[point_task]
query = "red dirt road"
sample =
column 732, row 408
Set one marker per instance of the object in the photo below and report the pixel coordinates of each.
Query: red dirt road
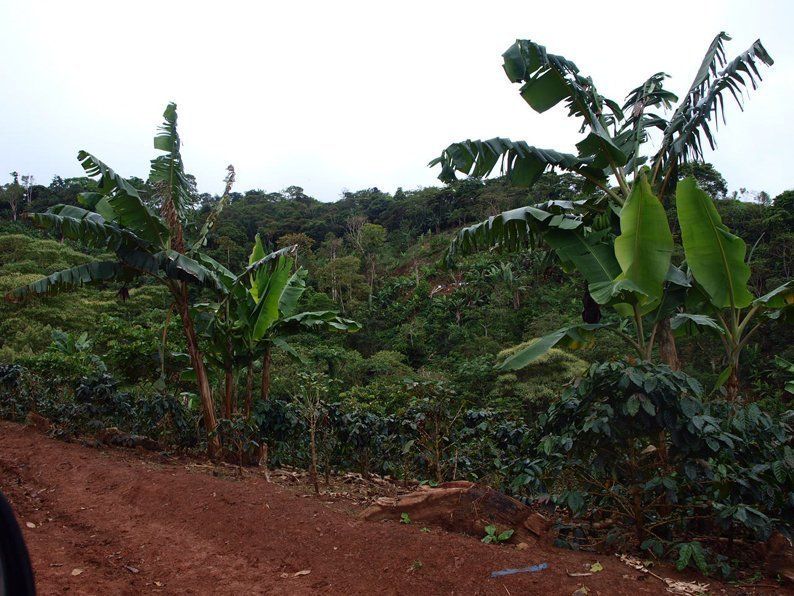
column 134, row 525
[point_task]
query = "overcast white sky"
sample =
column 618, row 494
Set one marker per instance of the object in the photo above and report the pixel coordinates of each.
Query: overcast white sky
column 348, row 95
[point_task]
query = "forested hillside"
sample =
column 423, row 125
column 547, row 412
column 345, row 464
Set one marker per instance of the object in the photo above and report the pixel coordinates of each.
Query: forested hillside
column 378, row 259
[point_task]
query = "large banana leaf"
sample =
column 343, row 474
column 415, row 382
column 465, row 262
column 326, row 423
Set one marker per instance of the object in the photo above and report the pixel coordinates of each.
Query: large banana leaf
column 543, row 74
column 523, row 164
column 258, row 250
column 677, row 287
column 178, row 266
column 780, row 301
column 781, row 297
column 226, row 277
column 74, row 223
column 270, row 285
column 109, row 181
column 549, row 79
column 296, row 286
column 167, row 172
column 143, row 261
column 71, row 279
column 254, row 283
column 261, row 266
column 259, row 290
column 519, row 228
column 282, row 345
column 592, row 254
column 688, row 323
column 714, row 255
column 618, row 293
column 170, row 264
column 645, row 244
column 575, row 336
column 316, row 319
column 268, row 260
column 122, row 203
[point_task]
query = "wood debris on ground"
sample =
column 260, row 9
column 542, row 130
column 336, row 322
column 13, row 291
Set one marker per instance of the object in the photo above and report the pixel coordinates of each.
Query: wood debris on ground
column 673, row 586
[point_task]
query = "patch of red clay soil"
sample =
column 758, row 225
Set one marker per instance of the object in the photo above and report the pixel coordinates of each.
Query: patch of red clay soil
column 135, row 525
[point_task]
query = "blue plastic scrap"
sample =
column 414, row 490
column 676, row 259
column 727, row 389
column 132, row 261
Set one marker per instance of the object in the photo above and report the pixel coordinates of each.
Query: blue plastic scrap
column 531, row 569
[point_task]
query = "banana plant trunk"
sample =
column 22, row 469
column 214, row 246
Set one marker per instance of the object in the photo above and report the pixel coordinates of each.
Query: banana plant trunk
column 732, row 384
column 668, row 354
column 313, row 448
column 228, row 398
column 249, row 388
column 667, row 349
column 265, row 393
column 202, row 379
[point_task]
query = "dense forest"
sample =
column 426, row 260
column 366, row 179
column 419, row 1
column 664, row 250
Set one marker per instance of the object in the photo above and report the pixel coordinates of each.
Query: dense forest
column 393, row 334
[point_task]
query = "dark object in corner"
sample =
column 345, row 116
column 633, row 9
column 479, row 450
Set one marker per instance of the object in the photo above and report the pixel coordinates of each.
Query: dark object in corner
column 16, row 575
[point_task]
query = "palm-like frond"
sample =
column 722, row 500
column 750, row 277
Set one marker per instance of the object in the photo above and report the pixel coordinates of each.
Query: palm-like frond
column 109, row 181
column 91, row 229
column 524, row 227
column 705, row 101
column 328, row 319
column 523, row 164
column 71, row 279
column 167, row 172
column 121, row 203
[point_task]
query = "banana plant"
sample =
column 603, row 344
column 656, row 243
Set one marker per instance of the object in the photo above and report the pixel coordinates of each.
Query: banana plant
column 144, row 243
column 720, row 300
column 645, row 288
column 631, row 274
column 292, row 321
column 258, row 313
column 612, row 147
column 611, row 159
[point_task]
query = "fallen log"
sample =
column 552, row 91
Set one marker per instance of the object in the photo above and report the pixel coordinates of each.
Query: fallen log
column 463, row 507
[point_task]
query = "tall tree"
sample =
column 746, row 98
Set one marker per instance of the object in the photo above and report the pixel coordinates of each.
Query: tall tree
column 14, row 194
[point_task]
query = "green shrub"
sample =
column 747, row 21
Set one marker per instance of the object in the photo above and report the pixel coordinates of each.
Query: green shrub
column 640, row 447
column 530, row 390
column 89, row 403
